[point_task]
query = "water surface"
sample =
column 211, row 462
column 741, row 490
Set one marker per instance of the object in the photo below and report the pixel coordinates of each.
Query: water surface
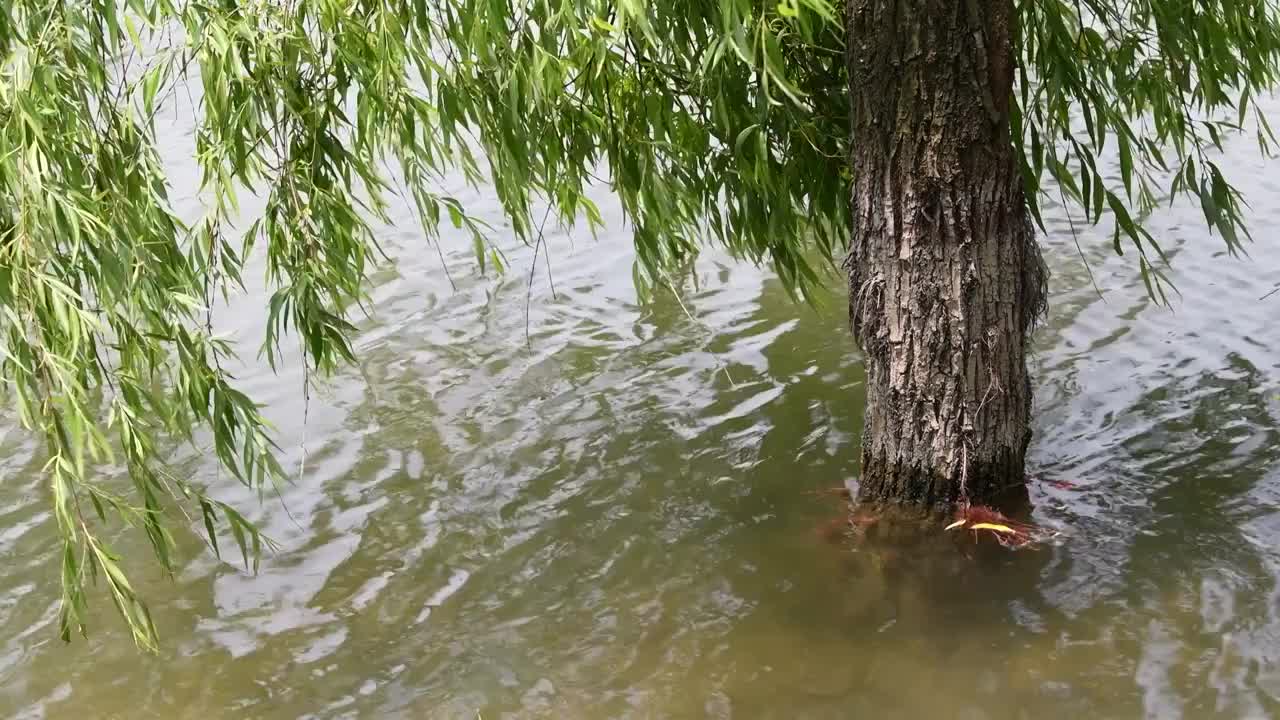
column 606, row 510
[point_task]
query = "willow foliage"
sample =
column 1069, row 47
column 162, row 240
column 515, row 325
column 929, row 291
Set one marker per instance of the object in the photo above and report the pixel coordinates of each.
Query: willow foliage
column 720, row 121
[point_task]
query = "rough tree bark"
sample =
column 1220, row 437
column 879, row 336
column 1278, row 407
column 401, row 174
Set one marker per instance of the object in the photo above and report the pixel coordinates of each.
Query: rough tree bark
column 945, row 277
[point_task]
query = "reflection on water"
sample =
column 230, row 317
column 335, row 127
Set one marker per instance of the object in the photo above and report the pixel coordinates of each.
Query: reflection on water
column 612, row 516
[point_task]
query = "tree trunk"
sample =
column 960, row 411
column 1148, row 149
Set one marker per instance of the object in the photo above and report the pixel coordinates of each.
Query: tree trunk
column 945, row 278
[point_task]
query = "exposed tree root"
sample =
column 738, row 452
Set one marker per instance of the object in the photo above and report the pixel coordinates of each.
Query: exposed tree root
column 906, row 526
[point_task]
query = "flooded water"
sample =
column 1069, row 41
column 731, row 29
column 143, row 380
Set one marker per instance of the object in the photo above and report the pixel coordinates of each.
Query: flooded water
column 612, row 516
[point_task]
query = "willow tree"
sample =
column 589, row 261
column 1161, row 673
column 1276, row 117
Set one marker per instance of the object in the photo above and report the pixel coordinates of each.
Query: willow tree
column 917, row 136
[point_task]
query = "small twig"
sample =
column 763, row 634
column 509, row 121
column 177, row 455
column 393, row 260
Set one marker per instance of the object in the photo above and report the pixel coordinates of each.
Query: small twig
column 403, row 192
column 306, row 414
column 1076, row 239
column 546, row 260
column 285, row 506
column 724, row 368
column 533, row 266
column 445, row 265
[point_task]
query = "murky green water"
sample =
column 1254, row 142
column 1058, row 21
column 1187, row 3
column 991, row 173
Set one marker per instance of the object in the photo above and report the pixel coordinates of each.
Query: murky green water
column 613, row 516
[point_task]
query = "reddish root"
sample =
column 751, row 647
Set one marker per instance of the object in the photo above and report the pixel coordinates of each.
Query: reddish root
column 979, row 519
column 834, row 530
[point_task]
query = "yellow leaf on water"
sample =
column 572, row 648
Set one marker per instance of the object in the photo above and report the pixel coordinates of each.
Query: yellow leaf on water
column 993, row 526
column 956, row 524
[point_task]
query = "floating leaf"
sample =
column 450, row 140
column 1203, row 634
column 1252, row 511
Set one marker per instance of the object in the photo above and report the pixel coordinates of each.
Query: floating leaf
column 993, row 527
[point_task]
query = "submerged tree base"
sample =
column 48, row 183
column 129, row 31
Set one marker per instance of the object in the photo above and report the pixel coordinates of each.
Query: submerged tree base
column 965, row 526
column 1000, row 483
column 900, row 564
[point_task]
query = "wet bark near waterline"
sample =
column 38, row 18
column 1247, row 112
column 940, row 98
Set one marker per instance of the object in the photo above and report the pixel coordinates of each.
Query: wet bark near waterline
column 945, row 278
